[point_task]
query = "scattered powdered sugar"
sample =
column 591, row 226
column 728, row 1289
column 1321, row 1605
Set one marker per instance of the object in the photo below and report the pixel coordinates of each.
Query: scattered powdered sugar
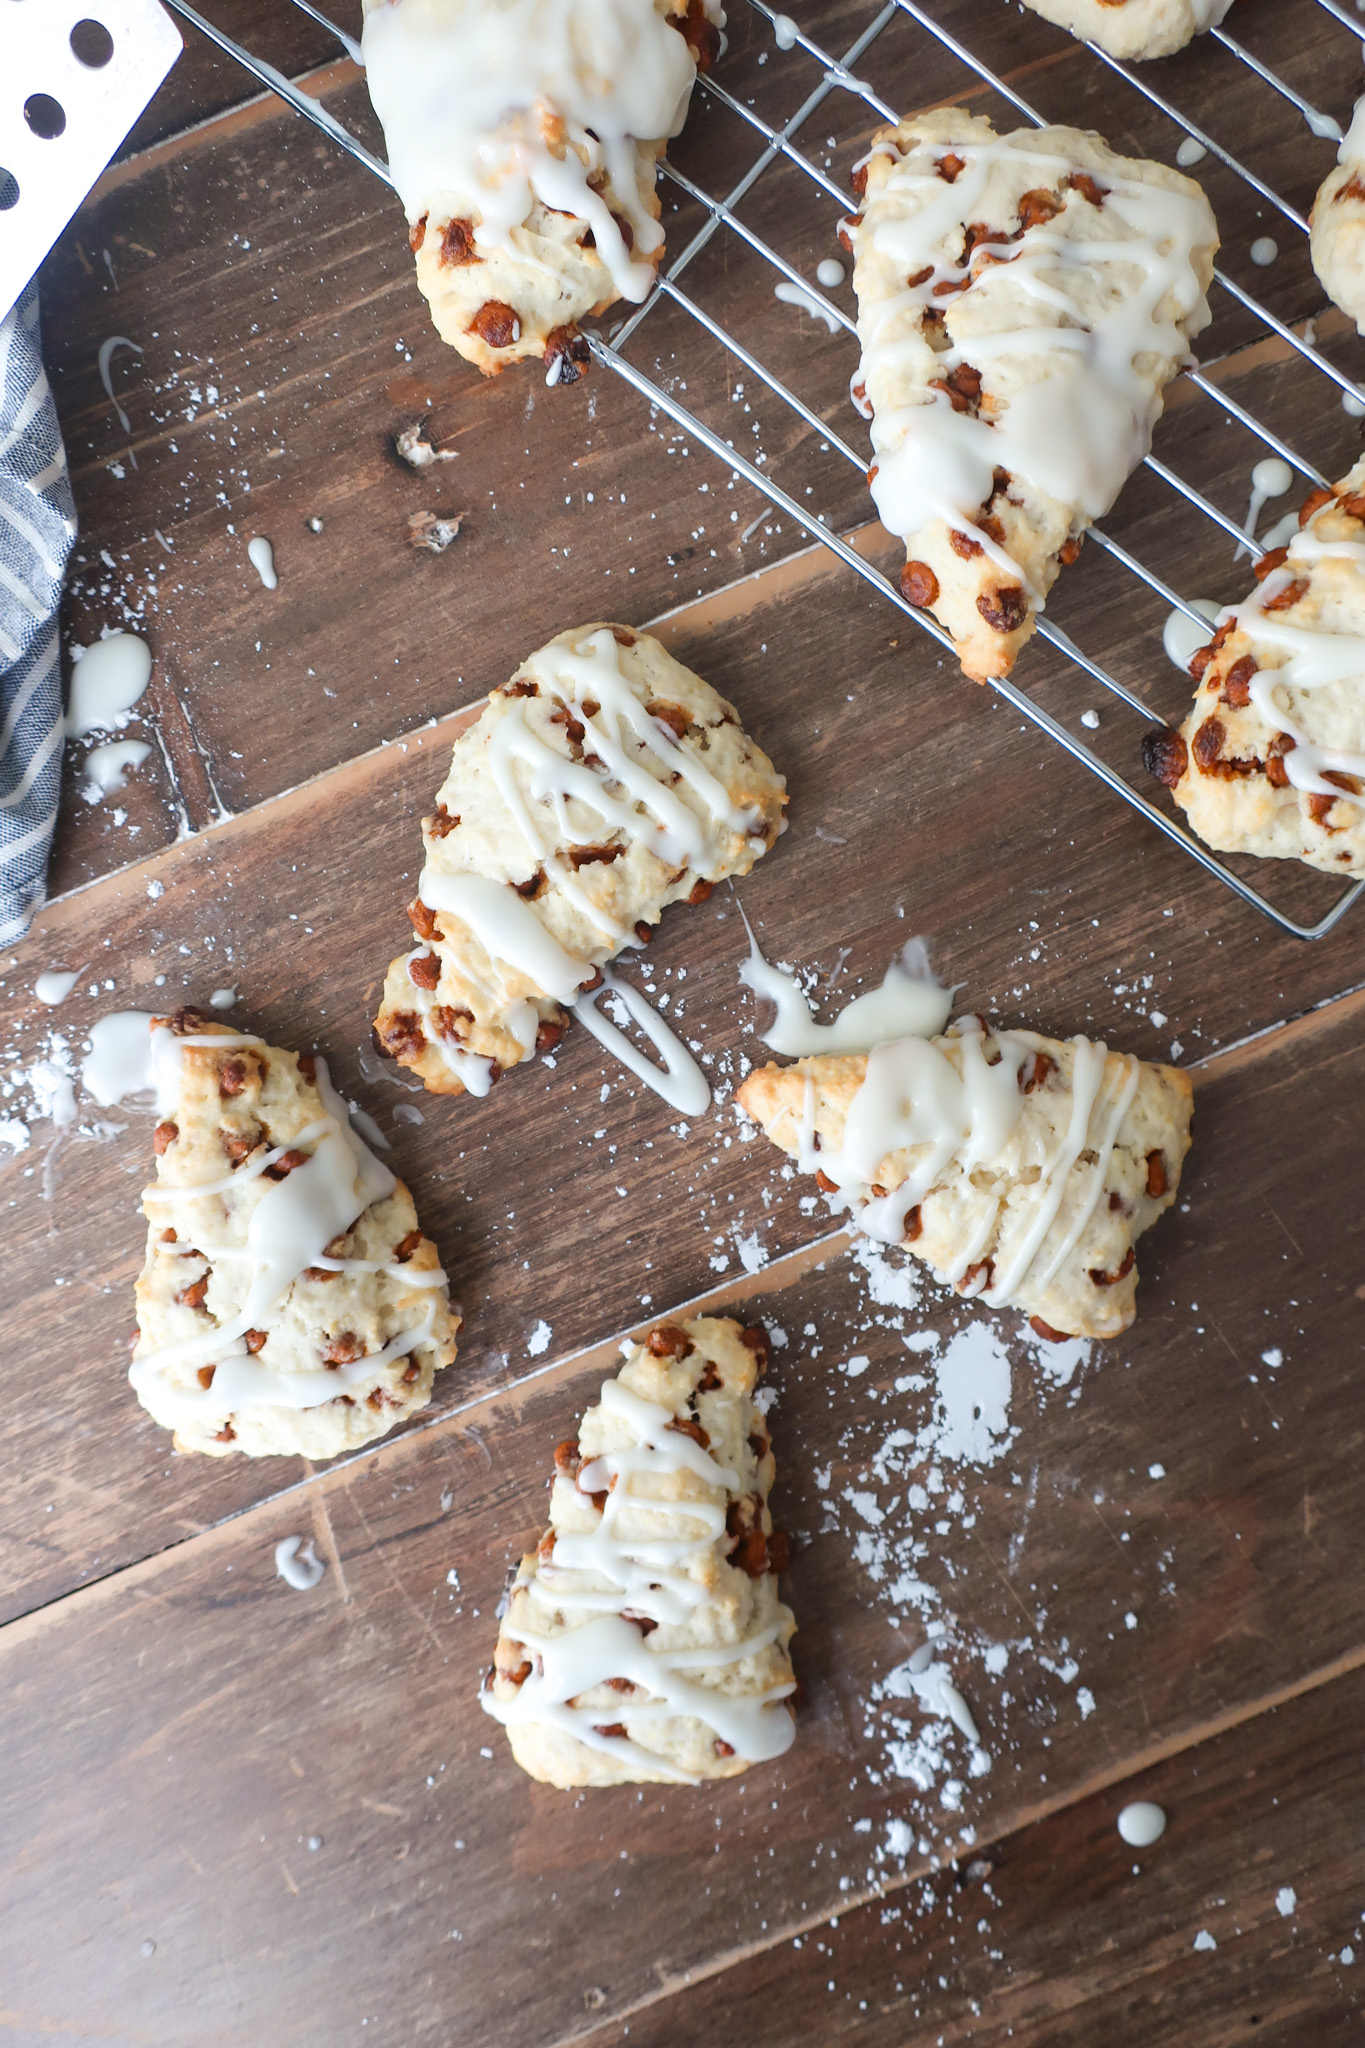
column 924, row 1423
column 539, row 1340
column 1204, row 1940
column 1286, row 1899
column 753, row 1253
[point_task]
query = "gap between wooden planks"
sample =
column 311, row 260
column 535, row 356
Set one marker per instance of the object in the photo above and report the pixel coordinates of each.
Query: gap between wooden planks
column 727, row 1297
column 771, row 582
column 783, row 1274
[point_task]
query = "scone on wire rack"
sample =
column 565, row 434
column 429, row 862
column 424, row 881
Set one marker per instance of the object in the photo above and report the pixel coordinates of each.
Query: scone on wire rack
column 1271, row 759
column 1134, row 29
column 289, row 1303
column 523, row 141
column 1023, row 300
column 1022, row 1169
column 644, row 1639
column 602, row 783
column 1337, row 221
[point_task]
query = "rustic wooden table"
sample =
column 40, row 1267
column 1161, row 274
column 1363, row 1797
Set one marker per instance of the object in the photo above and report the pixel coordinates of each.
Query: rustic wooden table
column 238, row 1813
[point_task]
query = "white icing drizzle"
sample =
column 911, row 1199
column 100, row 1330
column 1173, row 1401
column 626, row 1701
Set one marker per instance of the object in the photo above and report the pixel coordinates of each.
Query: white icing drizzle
column 107, row 350
column 507, row 928
column 806, row 302
column 105, row 765
column 909, row 1003
column 913, row 1095
column 1182, row 636
column 55, row 984
column 119, row 1062
column 622, row 795
column 1084, row 419
column 1270, row 478
column 288, row 1230
column 469, row 93
column 1316, row 660
column 681, row 1083
column 1141, row 1823
column 648, row 1576
column 262, row 558
column 471, row 1069
column 1352, row 148
column 624, row 737
column 298, row 1564
column 108, row 680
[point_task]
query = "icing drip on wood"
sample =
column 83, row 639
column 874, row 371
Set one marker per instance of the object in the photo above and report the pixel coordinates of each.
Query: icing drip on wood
column 909, row 1001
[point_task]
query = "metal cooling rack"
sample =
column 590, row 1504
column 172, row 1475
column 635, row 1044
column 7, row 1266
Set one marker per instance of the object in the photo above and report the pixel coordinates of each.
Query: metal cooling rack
column 778, row 147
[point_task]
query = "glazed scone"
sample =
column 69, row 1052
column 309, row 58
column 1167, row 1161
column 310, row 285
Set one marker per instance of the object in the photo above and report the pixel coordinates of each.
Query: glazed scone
column 1134, row 29
column 1023, row 1169
column 1023, row 300
column 289, row 1304
column 644, row 1640
column 1337, row 241
column 1271, row 759
column 523, row 138
column 603, row 782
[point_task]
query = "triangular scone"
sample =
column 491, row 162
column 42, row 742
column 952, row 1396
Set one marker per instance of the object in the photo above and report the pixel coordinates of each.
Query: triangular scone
column 602, row 783
column 644, row 1640
column 1023, row 1169
column 1271, row 759
column 523, row 137
column 1134, row 28
column 1023, row 300
column 1337, row 241
column 289, row 1303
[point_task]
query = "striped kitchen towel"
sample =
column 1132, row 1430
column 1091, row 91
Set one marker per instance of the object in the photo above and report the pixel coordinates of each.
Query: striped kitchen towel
column 37, row 528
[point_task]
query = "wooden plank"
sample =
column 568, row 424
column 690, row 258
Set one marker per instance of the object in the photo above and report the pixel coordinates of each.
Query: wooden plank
column 268, row 283
column 300, row 906
column 205, row 82
column 1062, row 1935
column 210, row 1722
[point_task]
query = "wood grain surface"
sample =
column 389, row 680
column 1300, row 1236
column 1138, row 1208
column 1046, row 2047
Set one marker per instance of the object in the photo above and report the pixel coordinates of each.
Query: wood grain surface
column 235, row 1812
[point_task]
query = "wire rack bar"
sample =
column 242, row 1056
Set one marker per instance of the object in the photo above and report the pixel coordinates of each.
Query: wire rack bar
column 779, row 144
column 276, row 82
column 1320, row 123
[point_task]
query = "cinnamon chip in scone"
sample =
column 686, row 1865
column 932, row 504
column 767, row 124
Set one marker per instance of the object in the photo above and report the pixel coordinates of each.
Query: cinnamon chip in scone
column 1022, row 1169
column 289, row 1303
column 1023, row 299
column 1337, row 241
column 602, row 783
column 1271, row 759
column 523, row 138
column 1134, row 29
column 644, row 1639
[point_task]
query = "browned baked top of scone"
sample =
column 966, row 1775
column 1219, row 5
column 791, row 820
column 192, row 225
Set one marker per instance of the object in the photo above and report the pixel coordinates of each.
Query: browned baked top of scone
column 1134, row 29
column 602, row 783
column 1022, row 1169
column 523, row 137
column 1271, row 759
column 644, row 1639
column 289, row 1302
column 1022, row 301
